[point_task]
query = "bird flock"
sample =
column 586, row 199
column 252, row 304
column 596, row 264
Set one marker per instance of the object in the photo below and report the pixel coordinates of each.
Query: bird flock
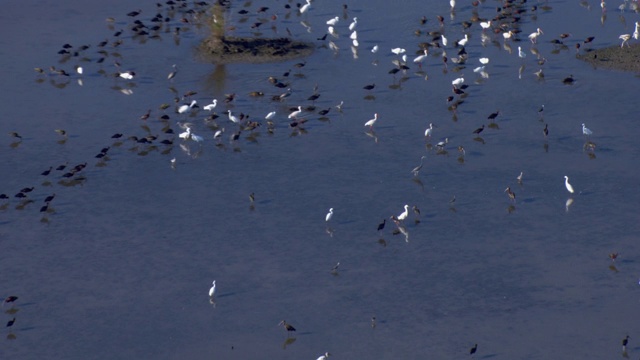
column 180, row 124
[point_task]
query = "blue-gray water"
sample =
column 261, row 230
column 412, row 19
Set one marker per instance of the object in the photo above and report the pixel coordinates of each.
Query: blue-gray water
column 121, row 266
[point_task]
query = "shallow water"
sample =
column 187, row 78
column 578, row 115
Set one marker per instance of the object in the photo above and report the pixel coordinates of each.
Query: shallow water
column 122, row 265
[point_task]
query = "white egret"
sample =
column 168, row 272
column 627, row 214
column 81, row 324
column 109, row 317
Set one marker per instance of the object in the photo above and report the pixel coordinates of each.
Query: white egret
column 636, row 32
column 485, row 24
column 586, row 130
column 458, row 81
column 295, row 114
column 534, row 35
column 333, row 21
column 329, row 215
column 519, row 178
column 354, row 35
column 331, row 30
column 507, row 35
column 270, row 115
column 625, row 39
column 185, row 135
column 374, row 49
column 453, row 4
column 127, row 75
column 418, row 60
column 463, row 42
column 371, row 122
column 212, row 291
column 212, row 105
column 404, row 215
column 398, row 51
column 429, row 131
column 416, row 170
column 444, row 40
column 79, row 69
column 196, row 138
column 305, row 7
column 324, row 357
column 218, row 134
column 566, row 183
column 484, row 61
column 184, row 108
column 353, row 24
column 232, row 117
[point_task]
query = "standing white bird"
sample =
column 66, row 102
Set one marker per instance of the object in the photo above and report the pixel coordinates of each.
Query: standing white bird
column 636, row 32
column 212, row 291
column 173, row 73
column 485, row 24
column 398, row 51
column 463, row 42
column 625, row 39
column 218, row 134
column 566, row 183
column 371, row 122
column 507, row 35
column 484, row 60
column 458, row 81
column 354, row 35
column 353, row 24
column 416, row 170
column 586, row 130
column 418, row 60
column 534, row 35
column 453, row 4
column 444, row 40
column 211, row 106
column 324, row 357
column 429, row 131
column 270, row 115
column 233, row 118
column 295, row 114
column 184, row 108
column 374, row 49
column 329, row 215
column 404, row 215
column 333, row 21
column 305, row 7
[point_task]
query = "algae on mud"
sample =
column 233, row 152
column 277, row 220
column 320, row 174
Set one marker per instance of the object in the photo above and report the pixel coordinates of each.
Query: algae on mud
column 625, row 58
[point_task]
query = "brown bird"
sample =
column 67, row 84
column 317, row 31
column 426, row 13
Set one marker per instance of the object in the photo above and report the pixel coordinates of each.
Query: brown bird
column 478, row 130
column 288, row 327
column 511, row 194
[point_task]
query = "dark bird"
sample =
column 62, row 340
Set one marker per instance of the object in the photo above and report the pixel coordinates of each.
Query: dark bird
column 15, row 135
column 11, row 322
column 511, row 194
column 478, row 130
column 381, row 225
column 288, row 327
column 369, row 87
column 613, row 256
column 493, row 115
column 61, row 167
column 26, row 190
column 116, row 136
column 134, row 13
column 10, row 299
column 568, row 80
column 44, row 208
column 625, row 342
column 589, row 39
column 146, row 116
column 546, row 130
column 3, row 196
column 49, row 198
column 473, row 349
column 47, row 172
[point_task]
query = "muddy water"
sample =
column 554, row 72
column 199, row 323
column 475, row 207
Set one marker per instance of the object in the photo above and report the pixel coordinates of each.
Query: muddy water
column 120, row 265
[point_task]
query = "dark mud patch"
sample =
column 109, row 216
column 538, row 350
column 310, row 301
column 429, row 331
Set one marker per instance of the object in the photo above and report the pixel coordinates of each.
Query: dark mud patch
column 618, row 58
column 252, row 50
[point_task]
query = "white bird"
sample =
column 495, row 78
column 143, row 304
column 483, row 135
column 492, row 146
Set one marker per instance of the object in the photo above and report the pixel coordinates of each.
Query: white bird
column 196, row 138
column 324, row 357
column 421, row 58
column 429, row 130
column 625, row 39
column 374, row 49
column 184, row 108
column 398, row 51
column 333, row 21
column 444, row 40
column 534, row 35
column 484, row 61
column 353, row 24
column 566, row 183
column 354, row 35
column 371, row 122
column 218, row 134
column 416, row 170
column 586, row 130
column 458, row 81
column 233, row 118
column 295, row 114
column 636, row 32
column 305, row 7
column 212, row 105
column 404, row 215
column 331, row 30
column 521, row 53
column 452, row 3
column 79, row 69
column 485, row 24
column 329, row 215
column 507, row 35
column 270, row 115
column 212, row 291
column 185, row 135
column 127, row 75
column 463, row 42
